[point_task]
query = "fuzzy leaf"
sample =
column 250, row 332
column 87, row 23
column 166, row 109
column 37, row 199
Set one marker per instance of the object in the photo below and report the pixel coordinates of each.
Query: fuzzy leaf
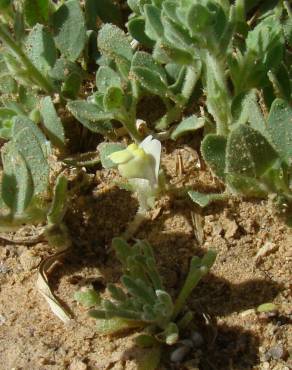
column 203, row 200
column 245, row 109
column 87, row 298
column 17, row 186
column 199, row 17
column 151, row 81
column 113, row 99
column 69, row 29
column 52, row 122
column 145, row 60
column 114, row 43
column 107, row 77
column 280, row 129
column 88, row 159
column 213, row 149
column 153, row 25
column 59, row 202
column 115, row 325
column 248, row 153
column 105, row 149
column 41, row 49
column 71, row 85
column 21, row 122
column 64, row 68
column 191, row 123
column 136, row 27
column 29, row 146
column 245, row 185
column 176, row 35
column 91, row 116
column 36, row 11
column 6, row 122
column 150, row 360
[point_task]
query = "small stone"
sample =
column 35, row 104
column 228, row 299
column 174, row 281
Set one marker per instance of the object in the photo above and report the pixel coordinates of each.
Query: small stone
column 230, row 229
column 3, row 269
column 265, row 366
column 197, row 339
column 77, row 364
column 179, row 354
column 277, row 352
column 2, row 320
column 28, row 260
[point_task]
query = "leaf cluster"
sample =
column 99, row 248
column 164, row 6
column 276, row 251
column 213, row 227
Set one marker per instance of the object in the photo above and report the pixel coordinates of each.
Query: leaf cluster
column 141, row 300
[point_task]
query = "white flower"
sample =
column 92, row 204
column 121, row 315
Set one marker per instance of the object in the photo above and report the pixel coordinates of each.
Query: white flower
column 139, row 161
column 140, row 165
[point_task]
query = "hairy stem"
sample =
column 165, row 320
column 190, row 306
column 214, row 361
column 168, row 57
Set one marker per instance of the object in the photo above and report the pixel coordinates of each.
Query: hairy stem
column 31, row 69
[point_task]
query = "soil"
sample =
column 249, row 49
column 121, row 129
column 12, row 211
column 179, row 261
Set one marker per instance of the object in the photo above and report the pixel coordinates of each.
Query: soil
column 253, row 266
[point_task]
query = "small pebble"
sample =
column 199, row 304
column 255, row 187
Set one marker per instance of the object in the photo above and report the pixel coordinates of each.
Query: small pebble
column 28, row 260
column 2, row 320
column 77, row 365
column 3, row 269
column 197, row 339
column 277, row 352
column 179, row 354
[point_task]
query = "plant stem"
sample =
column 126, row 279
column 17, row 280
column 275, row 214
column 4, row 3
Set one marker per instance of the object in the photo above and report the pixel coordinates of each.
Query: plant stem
column 199, row 267
column 191, row 79
column 31, row 69
column 218, row 98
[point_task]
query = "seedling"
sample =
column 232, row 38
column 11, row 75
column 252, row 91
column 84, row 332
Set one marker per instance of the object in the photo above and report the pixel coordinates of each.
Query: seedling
column 142, row 301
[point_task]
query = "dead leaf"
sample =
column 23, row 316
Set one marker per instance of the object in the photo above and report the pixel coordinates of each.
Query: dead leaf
column 44, row 287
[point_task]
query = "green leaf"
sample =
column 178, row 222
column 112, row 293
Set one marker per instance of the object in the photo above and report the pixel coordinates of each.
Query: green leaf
column 52, row 122
column 266, row 41
column 105, row 149
column 146, row 341
column 213, row 150
column 153, row 25
column 36, row 11
column 170, row 335
column 115, row 325
column 6, row 122
column 245, row 109
column 87, row 298
column 17, row 186
column 203, row 200
column 30, row 148
column 248, row 153
column 113, row 99
column 64, row 68
column 199, row 18
column 71, row 86
column 245, row 185
column 40, row 48
column 91, row 116
column 59, row 202
column 189, row 124
column 151, row 81
column 176, row 35
column 114, row 43
column 136, row 27
column 106, row 77
column 22, row 122
column 150, row 360
column 89, row 159
column 101, row 10
column 280, row 129
column 69, row 29
column 145, row 60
